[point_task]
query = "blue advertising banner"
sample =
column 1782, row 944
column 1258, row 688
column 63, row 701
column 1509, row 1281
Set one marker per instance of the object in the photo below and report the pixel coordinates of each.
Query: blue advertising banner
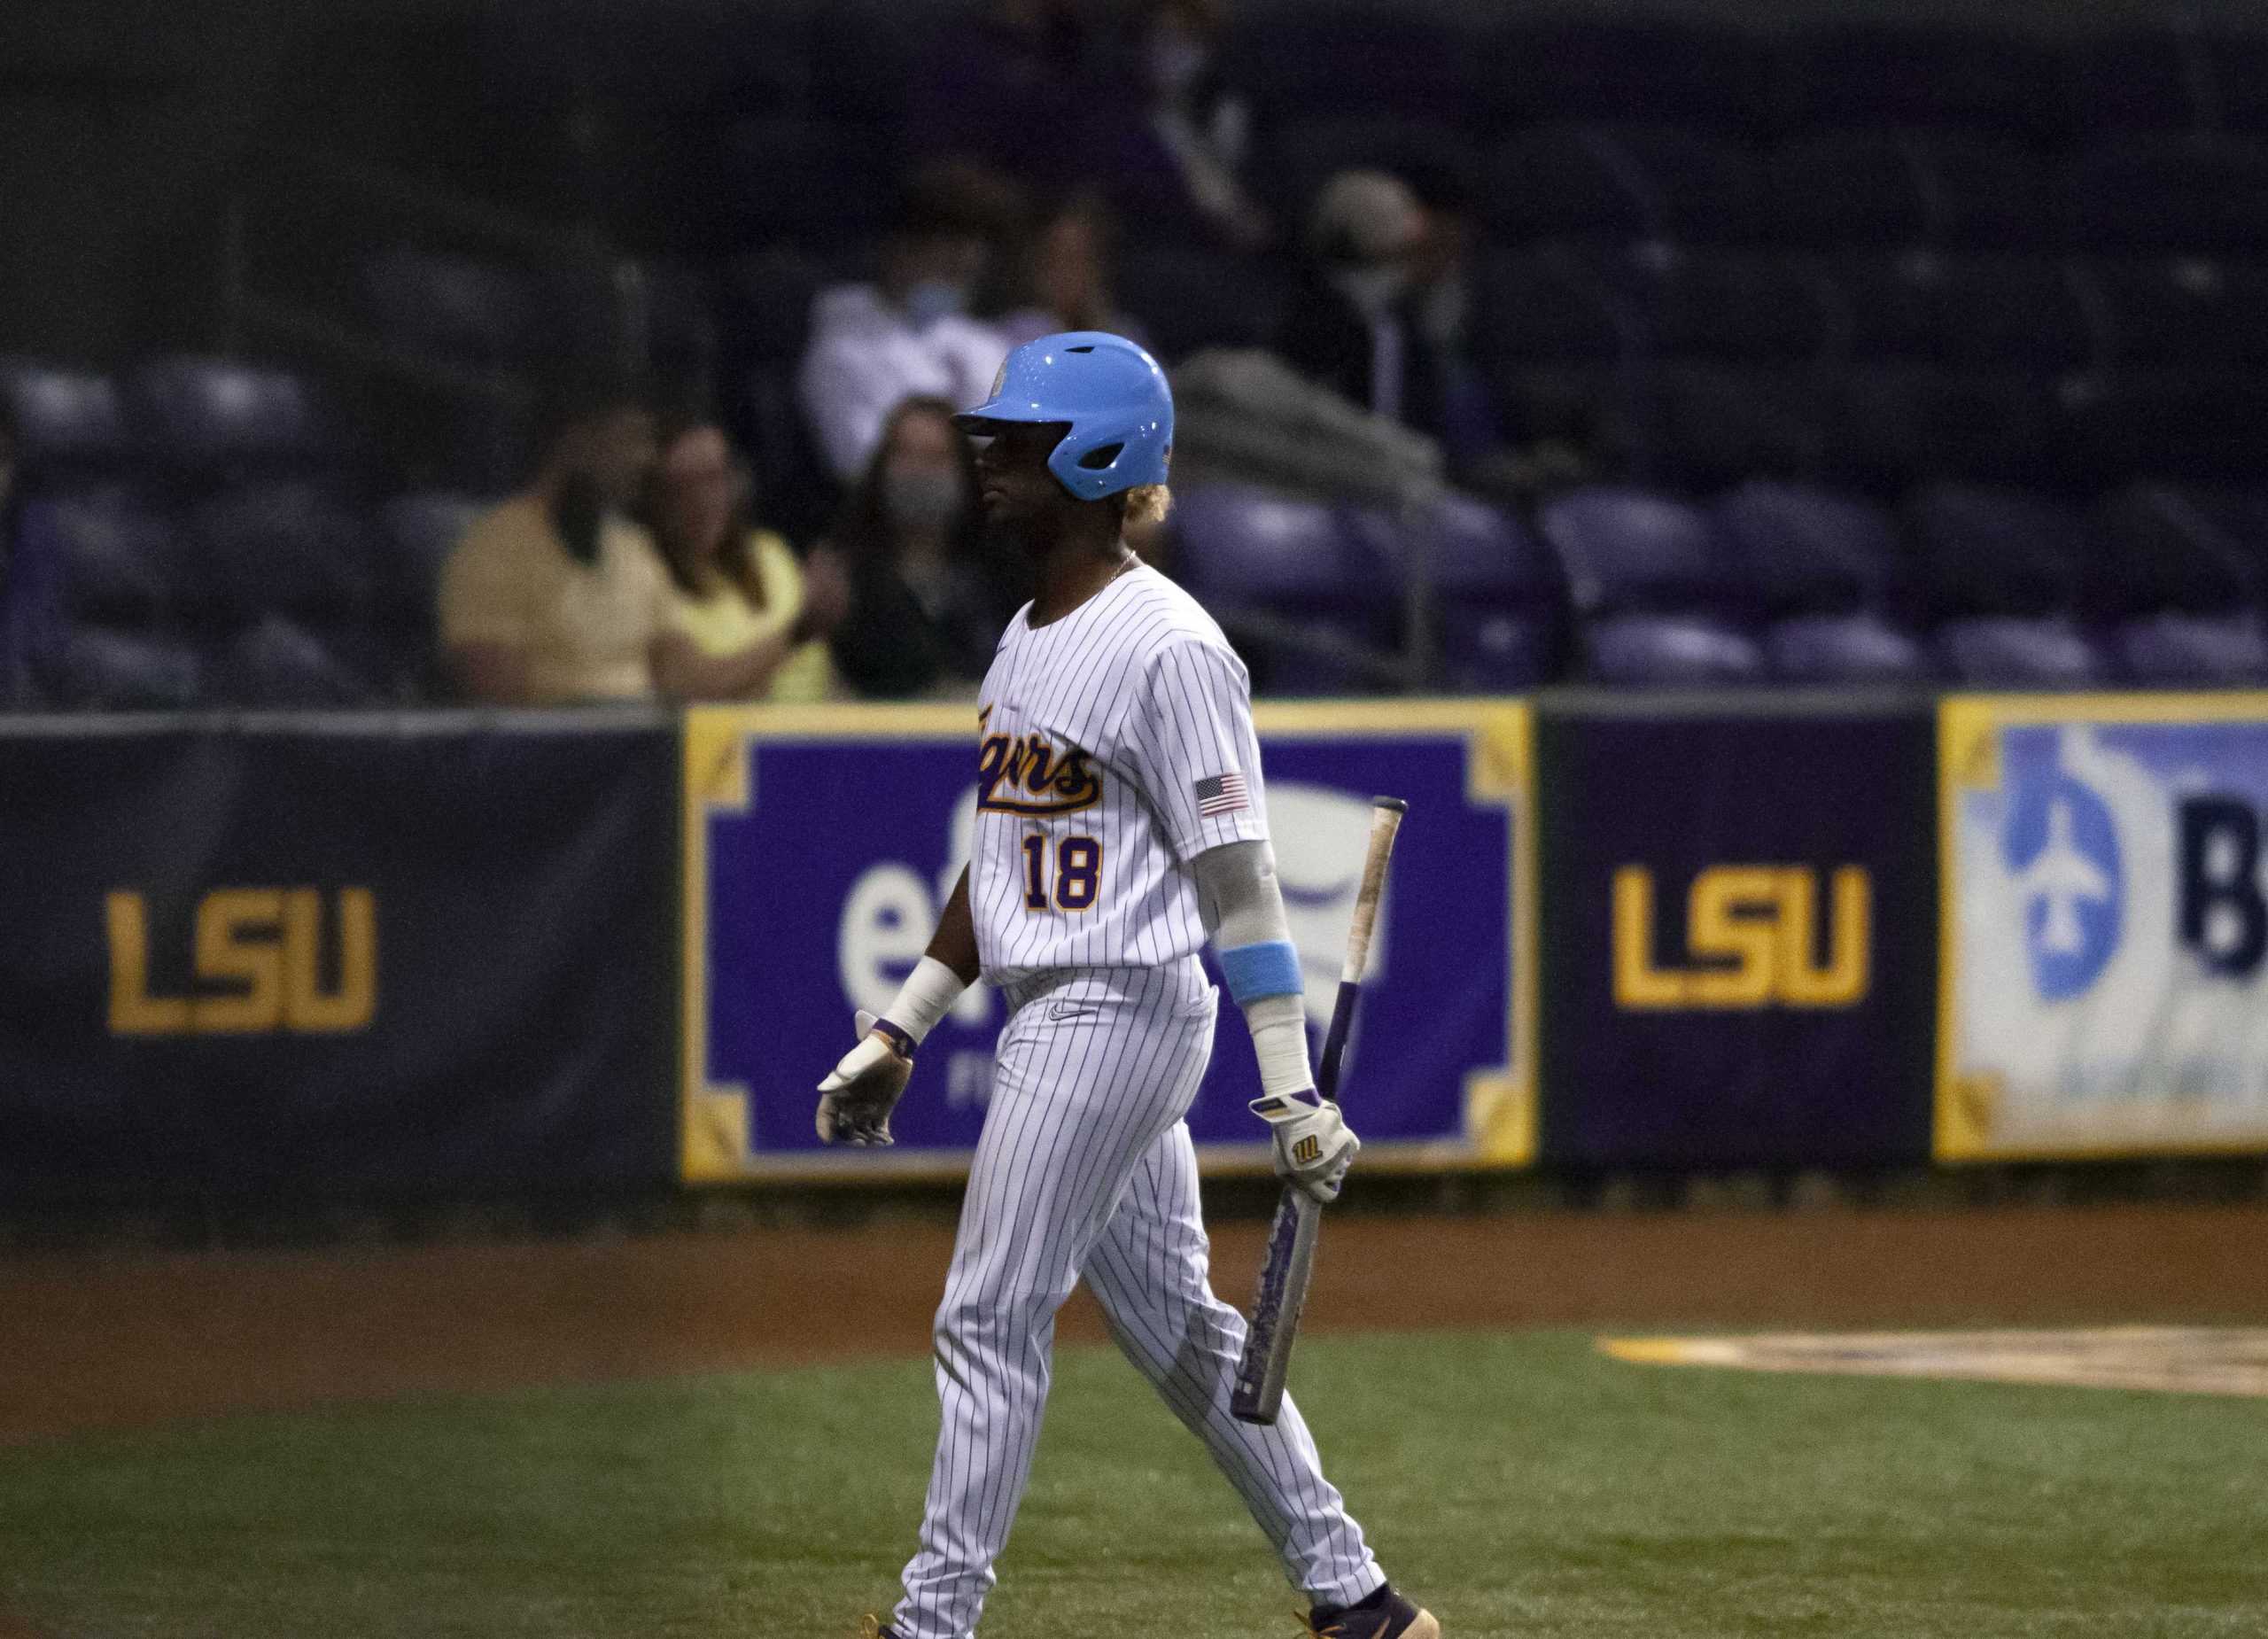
column 821, row 844
column 2104, row 977
column 1736, row 908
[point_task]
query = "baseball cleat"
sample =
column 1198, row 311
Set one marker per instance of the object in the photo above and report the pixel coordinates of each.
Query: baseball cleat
column 1383, row 1615
column 870, row 1626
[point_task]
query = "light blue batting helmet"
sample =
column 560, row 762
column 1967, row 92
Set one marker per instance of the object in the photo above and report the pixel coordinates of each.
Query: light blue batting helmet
column 1110, row 393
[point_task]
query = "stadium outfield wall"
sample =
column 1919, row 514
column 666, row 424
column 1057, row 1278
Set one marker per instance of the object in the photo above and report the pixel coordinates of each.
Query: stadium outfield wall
column 458, row 953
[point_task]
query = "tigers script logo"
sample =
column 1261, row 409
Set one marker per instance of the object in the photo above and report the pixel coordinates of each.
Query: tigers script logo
column 1026, row 774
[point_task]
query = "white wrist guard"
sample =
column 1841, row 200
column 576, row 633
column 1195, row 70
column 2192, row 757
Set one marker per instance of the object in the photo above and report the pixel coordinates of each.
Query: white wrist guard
column 1279, row 1041
column 928, row 995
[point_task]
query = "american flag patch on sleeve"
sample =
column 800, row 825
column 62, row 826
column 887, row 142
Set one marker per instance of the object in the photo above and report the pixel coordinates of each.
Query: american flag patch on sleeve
column 1220, row 793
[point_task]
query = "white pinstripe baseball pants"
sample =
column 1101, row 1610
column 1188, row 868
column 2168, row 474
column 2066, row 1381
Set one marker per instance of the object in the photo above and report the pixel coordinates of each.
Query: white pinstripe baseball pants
column 1086, row 1169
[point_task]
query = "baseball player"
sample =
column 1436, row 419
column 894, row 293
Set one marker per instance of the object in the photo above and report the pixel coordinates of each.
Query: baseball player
column 1121, row 822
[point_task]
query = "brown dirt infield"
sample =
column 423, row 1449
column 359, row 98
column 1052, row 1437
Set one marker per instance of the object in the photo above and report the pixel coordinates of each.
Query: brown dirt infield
column 119, row 1339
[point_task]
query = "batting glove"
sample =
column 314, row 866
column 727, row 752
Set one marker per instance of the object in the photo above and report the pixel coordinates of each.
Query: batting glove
column 1314, row 1143
column 856, row 1099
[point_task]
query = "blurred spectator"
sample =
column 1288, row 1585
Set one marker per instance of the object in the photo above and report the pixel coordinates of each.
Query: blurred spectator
column 873, row 344
column 739, row 591
column 556, row 596
column 1002, row 85
column 1381, row 318
column 929, row 596
column 1346, row 327
column 1067, row 277
column 1172, row 145
column 1447, row 395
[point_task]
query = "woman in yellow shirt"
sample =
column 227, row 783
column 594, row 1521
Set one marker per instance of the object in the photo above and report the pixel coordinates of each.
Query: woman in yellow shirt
column 736, row 589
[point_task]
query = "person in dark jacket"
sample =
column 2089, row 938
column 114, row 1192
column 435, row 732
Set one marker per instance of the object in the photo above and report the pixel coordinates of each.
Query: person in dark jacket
column 1347, row 326
column 1379, row 316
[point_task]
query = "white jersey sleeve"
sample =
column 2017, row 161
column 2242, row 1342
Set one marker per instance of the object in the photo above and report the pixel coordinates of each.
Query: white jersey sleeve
column 1190, row 745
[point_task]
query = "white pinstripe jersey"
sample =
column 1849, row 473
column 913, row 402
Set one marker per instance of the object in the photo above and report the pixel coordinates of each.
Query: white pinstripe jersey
column 1116, row 747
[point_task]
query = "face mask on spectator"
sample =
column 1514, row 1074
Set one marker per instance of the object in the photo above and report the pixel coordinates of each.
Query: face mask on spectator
column 921, row 499
column 932, row 299
column 1177, row 60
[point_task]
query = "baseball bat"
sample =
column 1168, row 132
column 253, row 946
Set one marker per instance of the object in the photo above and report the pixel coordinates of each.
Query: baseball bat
column 1290, row 1260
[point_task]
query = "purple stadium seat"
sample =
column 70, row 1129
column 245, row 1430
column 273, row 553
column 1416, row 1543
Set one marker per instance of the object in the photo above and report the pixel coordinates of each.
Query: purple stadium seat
column 1907, row 187
column 2205, row 196
column 1966, row 310
column 278, row 549
column 96, row 668
column 1542, row 68
column 205, row 416
column 1904, row 75
column 2163, row 548
column 1244, row 543
column 2237, row 519
column 2018, row 652
column 1810, row 549
column 1242, row 549
column 1624, row 181
column 1482, row 552
column 2192, row 311
column 1719, row 304
column 1698, row 425
column 1844, row 648
column 1901, row 422
column 68, row 423
column 433, row 301
column 2174, row 650
column 1489, row 651
column 116, row 558
column 1669, row 651
column 2190, row 425
column 1630, row 549
column 1545, row 303
column 276, row 662
column 1993, row 551
column 1499, row 592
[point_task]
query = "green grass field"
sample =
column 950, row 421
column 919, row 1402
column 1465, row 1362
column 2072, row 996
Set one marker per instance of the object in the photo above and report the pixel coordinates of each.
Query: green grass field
column 1519, row 1484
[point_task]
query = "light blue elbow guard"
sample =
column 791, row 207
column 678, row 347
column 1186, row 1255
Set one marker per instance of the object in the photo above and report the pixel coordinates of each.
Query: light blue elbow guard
column 1254, row 971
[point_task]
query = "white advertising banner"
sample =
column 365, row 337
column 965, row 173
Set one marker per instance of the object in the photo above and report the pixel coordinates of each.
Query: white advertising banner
column 2104, row 983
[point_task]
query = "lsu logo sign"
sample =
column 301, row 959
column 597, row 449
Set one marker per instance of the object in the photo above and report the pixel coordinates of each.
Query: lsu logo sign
column 258, row 957
column 1753, row 933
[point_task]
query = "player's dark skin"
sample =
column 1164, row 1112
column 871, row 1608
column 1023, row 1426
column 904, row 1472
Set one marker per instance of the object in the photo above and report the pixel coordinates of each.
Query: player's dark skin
column 1076, row 547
